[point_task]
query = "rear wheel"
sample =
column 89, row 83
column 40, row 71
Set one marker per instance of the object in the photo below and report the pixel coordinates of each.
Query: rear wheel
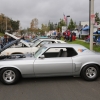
column 9, row 76
column 90, row 72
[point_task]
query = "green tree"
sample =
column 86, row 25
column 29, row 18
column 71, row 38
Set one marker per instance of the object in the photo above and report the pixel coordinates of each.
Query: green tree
column 14, row 25
column 60, row 24
column 44, row 28
column 51, row 26
column 72, row 25
column 97, row 19
column 11, row 24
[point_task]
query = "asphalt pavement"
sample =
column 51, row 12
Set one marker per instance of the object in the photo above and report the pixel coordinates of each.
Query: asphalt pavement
column 53, row 88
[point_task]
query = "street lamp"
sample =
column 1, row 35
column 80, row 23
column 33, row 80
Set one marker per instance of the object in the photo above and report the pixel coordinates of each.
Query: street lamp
column 67, row 20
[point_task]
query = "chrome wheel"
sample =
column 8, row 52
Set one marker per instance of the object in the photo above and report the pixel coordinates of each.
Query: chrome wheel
column 91, row 72
column 9, row 76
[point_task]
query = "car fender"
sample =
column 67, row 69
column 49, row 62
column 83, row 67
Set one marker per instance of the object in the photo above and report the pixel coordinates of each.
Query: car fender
column 96, row 63
column 1, row 67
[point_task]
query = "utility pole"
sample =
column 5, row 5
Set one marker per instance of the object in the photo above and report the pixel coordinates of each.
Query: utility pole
column 91, row 23
column 6, row 23
column 89, row 15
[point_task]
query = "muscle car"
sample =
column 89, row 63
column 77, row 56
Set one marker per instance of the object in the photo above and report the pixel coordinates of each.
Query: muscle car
column 52, row 60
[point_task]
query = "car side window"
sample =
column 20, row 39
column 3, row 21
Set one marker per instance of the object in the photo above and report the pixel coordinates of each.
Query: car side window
column 60, row 52
column 71, row 52
column 55, row 52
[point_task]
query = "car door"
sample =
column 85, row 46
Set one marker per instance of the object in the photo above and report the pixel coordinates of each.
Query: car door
column 53, row 66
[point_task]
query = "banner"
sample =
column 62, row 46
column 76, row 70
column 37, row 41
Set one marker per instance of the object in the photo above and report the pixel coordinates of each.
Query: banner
column 92, row 19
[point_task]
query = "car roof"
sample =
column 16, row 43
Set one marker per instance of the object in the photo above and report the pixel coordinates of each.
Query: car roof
column 63, row 45
column 42, row 37
column 47, row 39
column 52, row 40
column 81, row 50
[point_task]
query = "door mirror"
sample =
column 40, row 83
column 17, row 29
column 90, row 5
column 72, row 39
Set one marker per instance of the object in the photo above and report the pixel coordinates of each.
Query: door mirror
column 42, row 57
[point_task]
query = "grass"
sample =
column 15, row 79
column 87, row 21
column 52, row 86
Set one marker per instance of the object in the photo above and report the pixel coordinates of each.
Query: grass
column 87, row 45
column 1, row 34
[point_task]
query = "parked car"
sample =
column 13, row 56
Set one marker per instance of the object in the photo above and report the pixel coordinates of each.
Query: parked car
column 10, row 56
column 36, row 39
column 53, row 60
column 24, row 48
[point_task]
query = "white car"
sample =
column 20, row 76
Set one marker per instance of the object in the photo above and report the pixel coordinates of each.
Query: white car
column 24, row 48
column 36, row 39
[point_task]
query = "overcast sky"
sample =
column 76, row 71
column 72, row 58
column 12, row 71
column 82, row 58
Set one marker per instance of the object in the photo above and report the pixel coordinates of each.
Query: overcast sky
column 45, row 10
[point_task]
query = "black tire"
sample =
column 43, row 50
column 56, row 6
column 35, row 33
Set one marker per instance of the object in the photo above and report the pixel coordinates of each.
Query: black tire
column 90, row 72
column 9, row 76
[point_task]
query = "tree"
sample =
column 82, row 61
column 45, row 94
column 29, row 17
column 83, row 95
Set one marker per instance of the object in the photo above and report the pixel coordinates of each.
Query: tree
column 6, row 22
column 14, row 25
column 44, row 28
column 60, row 24
column 72, row 25
column 56, row 26
column 34, row 25
column 50, row 26
column 97, row 19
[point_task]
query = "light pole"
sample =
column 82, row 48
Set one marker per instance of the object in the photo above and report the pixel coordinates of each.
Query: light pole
column 91, row 23
column 67, row 20
column 89, row 14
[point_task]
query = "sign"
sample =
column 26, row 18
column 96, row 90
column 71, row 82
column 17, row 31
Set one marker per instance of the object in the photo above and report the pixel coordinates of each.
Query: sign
column 93, row 19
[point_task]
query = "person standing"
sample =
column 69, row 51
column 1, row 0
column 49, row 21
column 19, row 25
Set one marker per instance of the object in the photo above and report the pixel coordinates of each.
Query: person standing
column 59, row 36
column 68, row 34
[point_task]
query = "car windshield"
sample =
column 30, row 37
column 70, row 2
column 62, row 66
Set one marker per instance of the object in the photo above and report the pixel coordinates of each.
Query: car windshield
column 39, row 51
column 33, row 41
column 36, row 43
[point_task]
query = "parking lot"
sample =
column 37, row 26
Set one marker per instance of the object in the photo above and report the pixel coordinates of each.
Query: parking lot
column 53, row 88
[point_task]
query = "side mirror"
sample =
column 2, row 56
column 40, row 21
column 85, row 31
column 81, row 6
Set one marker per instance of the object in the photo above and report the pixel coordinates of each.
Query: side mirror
column 42, row 57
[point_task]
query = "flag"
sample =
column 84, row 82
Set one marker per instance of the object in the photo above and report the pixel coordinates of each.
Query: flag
column 65, row 18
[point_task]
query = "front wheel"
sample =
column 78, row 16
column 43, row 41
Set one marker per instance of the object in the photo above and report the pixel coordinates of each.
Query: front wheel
column 9, row 76
column 90, row 72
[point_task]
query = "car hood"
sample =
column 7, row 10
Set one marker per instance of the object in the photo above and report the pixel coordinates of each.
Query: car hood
column 16, row 60
column 22, row 41
column 9, row 45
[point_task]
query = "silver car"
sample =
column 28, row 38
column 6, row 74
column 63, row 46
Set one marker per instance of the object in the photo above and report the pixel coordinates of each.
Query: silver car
column 53, row 60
